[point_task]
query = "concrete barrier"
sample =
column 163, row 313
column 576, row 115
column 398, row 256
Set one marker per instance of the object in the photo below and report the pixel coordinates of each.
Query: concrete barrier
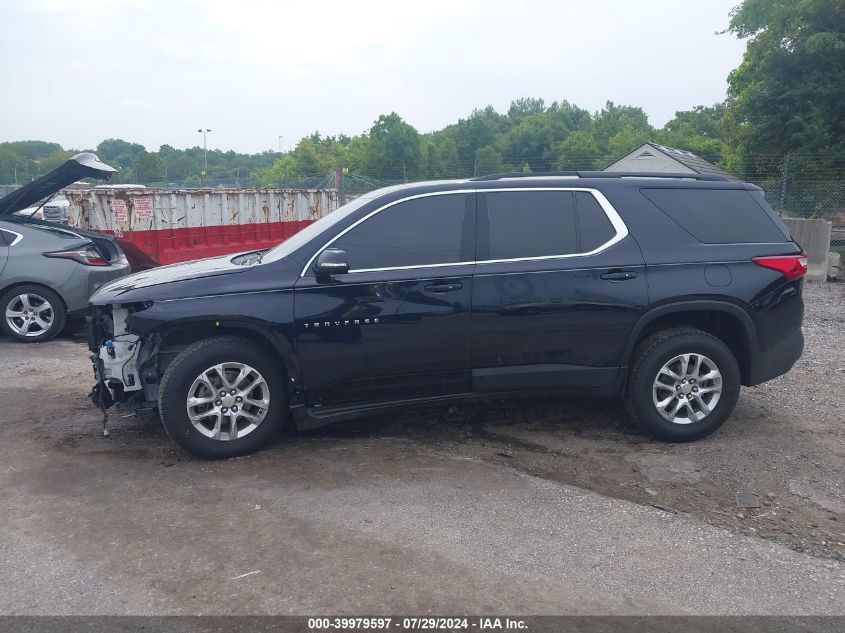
column 834, row 266
column 814, row 238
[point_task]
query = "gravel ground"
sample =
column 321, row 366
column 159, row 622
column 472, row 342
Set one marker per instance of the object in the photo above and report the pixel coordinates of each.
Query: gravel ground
column 556, row 506
column 785, row 444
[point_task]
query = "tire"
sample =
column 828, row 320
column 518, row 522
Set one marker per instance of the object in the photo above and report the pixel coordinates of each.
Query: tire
column 32, row 313
column 182, row 379
column 668, row 349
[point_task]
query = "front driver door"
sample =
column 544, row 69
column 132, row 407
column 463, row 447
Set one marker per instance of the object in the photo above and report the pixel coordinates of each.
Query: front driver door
column 396, row 326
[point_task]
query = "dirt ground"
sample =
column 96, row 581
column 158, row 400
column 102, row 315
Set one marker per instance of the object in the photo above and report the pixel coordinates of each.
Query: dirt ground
column 132, row 523
column 785, row 444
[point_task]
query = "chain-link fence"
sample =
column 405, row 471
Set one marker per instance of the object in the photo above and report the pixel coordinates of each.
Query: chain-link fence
column 803, row 186
column 796, row 185
column 805, row 192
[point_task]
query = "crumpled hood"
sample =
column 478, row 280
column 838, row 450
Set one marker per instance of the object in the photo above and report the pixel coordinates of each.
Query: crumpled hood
column 84, row 165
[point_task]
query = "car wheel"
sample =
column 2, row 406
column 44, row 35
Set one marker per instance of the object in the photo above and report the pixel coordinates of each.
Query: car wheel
column 683, row 385
column 223, row 397
column 32, row 313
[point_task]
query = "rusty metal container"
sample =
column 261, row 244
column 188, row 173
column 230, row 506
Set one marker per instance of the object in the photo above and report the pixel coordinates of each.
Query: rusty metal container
column 163, row 226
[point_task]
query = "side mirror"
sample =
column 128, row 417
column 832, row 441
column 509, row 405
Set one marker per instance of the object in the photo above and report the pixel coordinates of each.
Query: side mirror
column 331, row 261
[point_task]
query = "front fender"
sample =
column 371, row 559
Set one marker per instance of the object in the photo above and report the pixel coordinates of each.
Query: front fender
column 267, row 315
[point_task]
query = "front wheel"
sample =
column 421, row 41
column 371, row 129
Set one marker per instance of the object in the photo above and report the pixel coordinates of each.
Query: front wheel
column 683, row 385
column 222, row 397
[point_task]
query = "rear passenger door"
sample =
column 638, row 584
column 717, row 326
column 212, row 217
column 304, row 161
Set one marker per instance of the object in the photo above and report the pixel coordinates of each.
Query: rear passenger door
column 558, row 287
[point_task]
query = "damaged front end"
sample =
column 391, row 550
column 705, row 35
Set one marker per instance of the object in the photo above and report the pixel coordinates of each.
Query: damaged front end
column 125, row 362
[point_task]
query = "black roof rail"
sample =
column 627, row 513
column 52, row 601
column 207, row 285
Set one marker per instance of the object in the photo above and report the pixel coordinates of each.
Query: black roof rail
column 520, row 174
column 598, row 174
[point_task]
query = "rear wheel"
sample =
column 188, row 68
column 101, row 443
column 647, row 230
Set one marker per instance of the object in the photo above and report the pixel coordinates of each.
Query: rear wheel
column 683, row 385
column 32, row 313
column 222, row 397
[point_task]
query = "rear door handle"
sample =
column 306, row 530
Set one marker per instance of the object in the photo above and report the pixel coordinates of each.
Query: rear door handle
column 619, row 275
column 444, row 287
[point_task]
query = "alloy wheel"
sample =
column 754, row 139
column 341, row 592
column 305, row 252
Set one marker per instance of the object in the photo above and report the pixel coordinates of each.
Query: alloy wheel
column 29, row 315
column 228, row 401
column 687, row 388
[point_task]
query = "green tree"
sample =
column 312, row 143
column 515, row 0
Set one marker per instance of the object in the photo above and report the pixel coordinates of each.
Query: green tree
column 625, row 140
column 488, row 160
column 446, row 163
column 788, row 94
column 480, row 129
column 395, row 148
column 8, row 163
column 33, row 150
column 119, row 153
column 578, row 151
column 149, row 168
column 707, row 121
column 526, row 106
column 533, row 141
column 613, row 120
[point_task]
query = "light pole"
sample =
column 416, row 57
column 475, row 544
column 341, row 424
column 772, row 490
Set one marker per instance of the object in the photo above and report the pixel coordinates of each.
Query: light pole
column 28, row 161
column 204, row 132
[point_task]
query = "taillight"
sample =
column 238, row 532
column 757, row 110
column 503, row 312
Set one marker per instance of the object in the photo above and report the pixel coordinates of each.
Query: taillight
column 790, row 266
column 89, row 256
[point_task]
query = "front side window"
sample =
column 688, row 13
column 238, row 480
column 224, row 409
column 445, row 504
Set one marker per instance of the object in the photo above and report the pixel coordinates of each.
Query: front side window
column 531, row 224
column 419, row 232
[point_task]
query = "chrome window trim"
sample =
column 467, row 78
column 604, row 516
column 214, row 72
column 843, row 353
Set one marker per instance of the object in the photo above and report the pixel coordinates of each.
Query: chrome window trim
column 615, row 220
column 611, row 213
column 18, row 236
column 371, row 214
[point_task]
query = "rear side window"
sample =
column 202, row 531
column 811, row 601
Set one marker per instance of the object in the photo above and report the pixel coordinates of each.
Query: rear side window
column 531, row 224
column 418, row 232
column 717, row 216
column 594, row 227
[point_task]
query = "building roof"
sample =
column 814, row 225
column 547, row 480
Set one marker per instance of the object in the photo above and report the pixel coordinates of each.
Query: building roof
column 684, row 158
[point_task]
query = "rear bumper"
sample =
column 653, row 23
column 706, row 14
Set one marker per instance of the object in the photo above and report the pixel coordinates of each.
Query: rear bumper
column 776, row 361
column 86, row 281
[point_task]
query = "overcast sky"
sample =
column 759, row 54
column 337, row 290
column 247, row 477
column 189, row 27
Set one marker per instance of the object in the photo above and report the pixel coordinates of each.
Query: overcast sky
column 153, row 72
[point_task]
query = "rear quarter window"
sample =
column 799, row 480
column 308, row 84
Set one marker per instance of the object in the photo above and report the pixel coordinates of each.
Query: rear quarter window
column 594, row 227
column 717, row 216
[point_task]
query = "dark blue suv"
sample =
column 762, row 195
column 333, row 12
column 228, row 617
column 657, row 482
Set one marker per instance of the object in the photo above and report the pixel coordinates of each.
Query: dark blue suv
column 668, row 291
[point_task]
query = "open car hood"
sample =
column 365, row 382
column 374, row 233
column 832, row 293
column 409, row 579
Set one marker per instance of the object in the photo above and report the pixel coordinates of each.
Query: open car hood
column 84, row 165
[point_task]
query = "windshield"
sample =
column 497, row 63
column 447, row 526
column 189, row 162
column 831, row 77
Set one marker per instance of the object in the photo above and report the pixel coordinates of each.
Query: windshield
column 313, row 230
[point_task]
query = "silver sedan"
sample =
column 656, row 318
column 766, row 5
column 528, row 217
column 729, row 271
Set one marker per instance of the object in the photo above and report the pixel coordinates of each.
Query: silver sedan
column 48, row 271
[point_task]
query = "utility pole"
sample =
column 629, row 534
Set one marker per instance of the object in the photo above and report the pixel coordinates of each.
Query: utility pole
column 339, row 184
column 783, row 184
column 204, row 132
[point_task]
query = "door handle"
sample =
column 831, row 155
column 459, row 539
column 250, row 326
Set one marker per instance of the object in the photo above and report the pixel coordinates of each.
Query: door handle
column 619, row 275
column 444, row 287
